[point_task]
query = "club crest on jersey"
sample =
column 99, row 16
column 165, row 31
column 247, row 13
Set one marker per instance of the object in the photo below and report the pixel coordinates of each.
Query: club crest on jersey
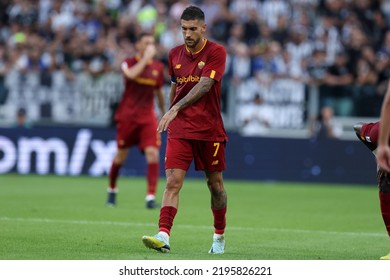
column 201, row 64
column 177, row 66
column 154, row 73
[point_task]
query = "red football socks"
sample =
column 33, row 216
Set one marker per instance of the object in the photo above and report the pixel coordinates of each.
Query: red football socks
column 385, row 209
column 152, row 177
column 167, row 215
column 219, row 220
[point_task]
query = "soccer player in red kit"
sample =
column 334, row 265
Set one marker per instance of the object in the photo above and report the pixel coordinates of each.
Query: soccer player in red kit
column 368, row 133
column 195, row 127
column 136, row 117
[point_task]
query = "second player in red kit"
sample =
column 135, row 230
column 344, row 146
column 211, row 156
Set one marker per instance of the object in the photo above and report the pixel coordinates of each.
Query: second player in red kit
column 136, row 118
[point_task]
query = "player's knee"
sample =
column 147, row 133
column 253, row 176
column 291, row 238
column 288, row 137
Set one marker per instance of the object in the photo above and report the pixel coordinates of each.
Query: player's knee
column 173, row 183
column 121, row 156
column 215, row 186
column 383, row 181
column 214, row 180
column 152, row 155
column 120, row 159
column 154, row 158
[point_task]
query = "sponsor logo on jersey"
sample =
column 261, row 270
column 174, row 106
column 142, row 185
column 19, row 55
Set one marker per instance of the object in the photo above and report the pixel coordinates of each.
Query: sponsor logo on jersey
column 188, row 79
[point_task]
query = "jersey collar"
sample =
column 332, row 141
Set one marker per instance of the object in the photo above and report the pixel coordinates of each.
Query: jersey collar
column 192, row 54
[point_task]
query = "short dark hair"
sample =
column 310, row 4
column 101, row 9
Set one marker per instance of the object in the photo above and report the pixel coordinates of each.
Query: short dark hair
column 192, row 13
column 21, row 112
column 143, row 34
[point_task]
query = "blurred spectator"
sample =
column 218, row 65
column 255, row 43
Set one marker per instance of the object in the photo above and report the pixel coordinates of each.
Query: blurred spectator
column 385, row 8
column 147, row 16
column 265, row 62
column 271, row 61
column 259, row 46
column 379, row 28
column 353, row 47
column 4, row 5
column 294, row 69
column 98, row 60
column 4, row 68
column 21, row 119
column 364, row 10
column 281, row 32
column 317, row 67
column 177, row 8
column 327, row 37
column 87, row 22
column 24, row 13
column 222, row 24
column 211, row 9
column 325, row 125
column 255, row 117
column 170, row 37
column 61, row 16
column 240, row 66
column 258, row 84
column 336, row 92
column 382, row 65
column 252, row 29
column 337, row 9
column 299, row 47
column 368, row 101
column 272, row 9
column 241, row 9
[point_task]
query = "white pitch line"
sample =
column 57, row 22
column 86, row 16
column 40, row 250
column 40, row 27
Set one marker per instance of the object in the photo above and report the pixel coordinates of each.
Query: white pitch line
column 130, row 224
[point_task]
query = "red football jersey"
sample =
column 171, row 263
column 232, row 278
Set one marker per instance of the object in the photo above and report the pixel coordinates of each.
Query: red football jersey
column 201, row 120
column 137, row 104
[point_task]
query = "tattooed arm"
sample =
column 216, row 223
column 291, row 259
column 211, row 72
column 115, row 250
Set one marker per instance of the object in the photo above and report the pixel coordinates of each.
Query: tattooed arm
column 201, row 88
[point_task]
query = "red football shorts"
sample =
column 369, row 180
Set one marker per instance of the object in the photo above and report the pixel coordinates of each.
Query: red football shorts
column 141, row 135
column 207, row 155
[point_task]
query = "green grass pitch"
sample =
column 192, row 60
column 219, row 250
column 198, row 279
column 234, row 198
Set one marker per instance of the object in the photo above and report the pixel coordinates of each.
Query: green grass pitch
column 65, row 218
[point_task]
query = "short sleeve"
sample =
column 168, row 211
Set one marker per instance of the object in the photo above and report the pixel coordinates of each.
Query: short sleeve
column 215, row 64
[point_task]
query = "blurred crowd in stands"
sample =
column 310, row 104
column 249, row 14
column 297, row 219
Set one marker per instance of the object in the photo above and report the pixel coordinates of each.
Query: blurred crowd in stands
column 341, row 47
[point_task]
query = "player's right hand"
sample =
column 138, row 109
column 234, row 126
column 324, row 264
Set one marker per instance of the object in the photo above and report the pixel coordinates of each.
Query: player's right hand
column 150, row 52
column 383, row 157
column 166, row 120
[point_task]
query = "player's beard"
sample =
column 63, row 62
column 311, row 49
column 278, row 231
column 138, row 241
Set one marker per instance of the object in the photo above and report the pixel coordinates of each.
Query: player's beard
column 192, row 43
